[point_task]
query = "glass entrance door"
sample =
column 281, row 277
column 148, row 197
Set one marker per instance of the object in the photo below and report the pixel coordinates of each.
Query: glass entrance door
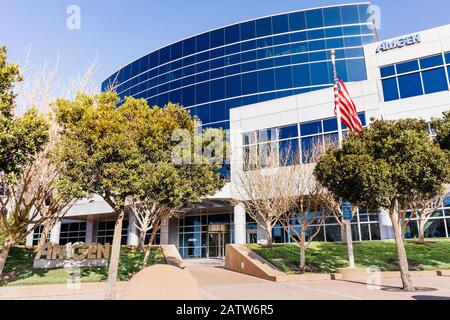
column 216, row 245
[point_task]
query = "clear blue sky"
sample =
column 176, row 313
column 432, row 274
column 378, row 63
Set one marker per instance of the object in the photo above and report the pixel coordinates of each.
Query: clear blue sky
column 123, row 30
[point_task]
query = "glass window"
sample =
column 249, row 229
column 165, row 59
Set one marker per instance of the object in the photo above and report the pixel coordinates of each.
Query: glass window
column 217, row 38
column 356, row 70
column 434, row 80
column 301, row 75
column 350, row 14
column 332, row 16
column 189, row 46
column 316, row 45
column 316, row 34
column 176, row 50
column 218, row 112
column 283, row 78
column 233, row 86
column 319, row 73
column 266, row 80
column 314, row 18
column 410, row 85
column 288, row 132
column 248, row 30
column 232, row 34
column 387, row 71
column 264, row 27
column 330, row 125
column 202, row 93
column 250, row 81
column 310, row 128
column 217, row 89
column 288, row 152
column 297, row 21
column 447, row 57
column 407, row 66
column 203, row 42
column 280, row 24
column 430, row 62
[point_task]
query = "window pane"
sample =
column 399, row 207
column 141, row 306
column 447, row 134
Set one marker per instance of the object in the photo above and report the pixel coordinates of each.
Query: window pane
column 233, row 86
column 407, row 66
column 217, row 38
column 330, row 125
column 356, row 70
column 297, row 21
column 288, row 152
column 410, row 85
column 264, row 27
column 375, row 231
column 435, row 229
column 319, row 73
column 307, row 129
column 283, row 78
column 390, row 89
column 430, row 62
column 280, row 24
column 314, row 19
column 266, row 80
column 248, row 30
column 251, row 83
column 203, row 42
column 332, row 16
column 387, row 71
column 447, row 57
column 232, row 34
column 350, row 14
column 435, row 80
column 288, row 132
column 189, row 46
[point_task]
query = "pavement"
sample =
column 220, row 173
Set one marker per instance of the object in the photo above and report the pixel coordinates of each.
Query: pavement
column 216, row 283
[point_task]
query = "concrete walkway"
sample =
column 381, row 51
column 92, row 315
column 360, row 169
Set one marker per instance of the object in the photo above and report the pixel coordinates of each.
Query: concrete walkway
column 216, row 283
column 219, row 284
column 85, row 291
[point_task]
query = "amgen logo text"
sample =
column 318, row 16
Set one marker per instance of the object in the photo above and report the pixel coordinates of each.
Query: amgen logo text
column 399, row 43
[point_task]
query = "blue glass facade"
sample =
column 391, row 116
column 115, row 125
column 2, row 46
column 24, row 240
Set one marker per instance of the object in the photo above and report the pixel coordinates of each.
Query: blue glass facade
column 250, row 62
column 416, row 77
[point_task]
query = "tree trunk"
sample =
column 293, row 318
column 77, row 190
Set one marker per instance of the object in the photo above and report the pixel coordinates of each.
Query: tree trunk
column 302, row 265
column 44, row 235
column 4, row 253
column 142, row 235
column 115, row 256
column 150, row 244
column 343, row 234
column 269, row 235
column 403, row 260
column 421, row 238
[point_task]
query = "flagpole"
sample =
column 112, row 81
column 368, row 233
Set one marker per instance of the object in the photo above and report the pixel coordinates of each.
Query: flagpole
column 338, row 110
column 348, row 224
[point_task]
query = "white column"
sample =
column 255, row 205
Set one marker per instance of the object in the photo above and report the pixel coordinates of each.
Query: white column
column 164, row 233
column 240, row 224
column 386, row 230
column 133, row 231
column 55, row 233
column 29, row 239
column 90, row 237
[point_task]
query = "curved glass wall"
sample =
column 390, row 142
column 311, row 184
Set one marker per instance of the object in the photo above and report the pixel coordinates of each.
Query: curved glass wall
column 250, row 62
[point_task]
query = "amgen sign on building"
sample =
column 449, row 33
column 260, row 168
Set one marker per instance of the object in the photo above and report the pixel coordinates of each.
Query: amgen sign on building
column 399, row 43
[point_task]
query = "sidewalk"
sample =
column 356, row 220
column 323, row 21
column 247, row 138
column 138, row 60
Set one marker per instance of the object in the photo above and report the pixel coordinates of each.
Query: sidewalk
column 86, row 291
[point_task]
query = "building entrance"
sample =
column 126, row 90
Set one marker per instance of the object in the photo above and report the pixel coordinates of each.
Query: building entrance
column 217, row 241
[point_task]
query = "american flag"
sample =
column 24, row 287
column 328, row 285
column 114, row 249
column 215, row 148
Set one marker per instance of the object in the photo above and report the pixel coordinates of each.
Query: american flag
column 343, row 101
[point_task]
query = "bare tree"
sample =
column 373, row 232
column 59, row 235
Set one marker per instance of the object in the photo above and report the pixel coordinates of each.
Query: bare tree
column 423, row 209
column 263, row 187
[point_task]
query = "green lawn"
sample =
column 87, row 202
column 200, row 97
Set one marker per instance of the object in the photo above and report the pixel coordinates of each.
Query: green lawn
column 326, row 257
column 19, row 267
